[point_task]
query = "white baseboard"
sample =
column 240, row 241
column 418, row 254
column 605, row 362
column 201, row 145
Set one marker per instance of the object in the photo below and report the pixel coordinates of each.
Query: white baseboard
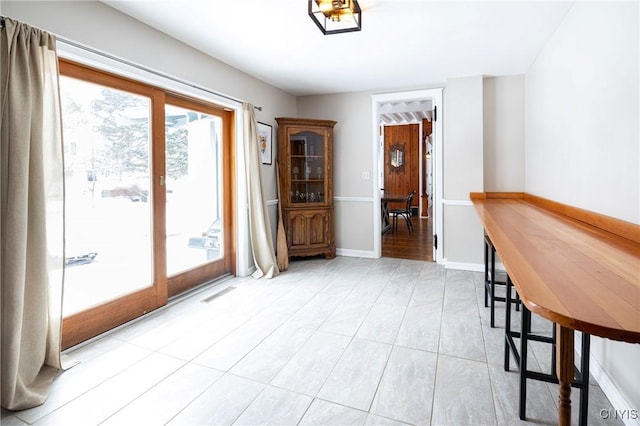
column 353, row 199
column 355, row 253
column 474, row 267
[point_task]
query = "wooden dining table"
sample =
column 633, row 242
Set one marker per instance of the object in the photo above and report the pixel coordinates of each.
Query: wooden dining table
column 385, row 200
column 577, row 269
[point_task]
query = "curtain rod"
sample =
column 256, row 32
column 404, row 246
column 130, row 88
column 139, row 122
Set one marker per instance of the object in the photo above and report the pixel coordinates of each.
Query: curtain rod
column 140, row 67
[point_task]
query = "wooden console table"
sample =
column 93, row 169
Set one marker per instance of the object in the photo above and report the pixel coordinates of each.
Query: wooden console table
column 581, row 274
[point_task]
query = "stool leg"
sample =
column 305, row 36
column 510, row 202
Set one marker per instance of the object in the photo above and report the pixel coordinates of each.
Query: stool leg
column 584, row 372
column 526, row 320
column 507, row 324
column 486, row 273
column 553, row 351
column 493, row 286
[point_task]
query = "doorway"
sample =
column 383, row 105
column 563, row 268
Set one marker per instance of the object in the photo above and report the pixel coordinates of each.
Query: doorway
column 404, row 173
column 418, row 104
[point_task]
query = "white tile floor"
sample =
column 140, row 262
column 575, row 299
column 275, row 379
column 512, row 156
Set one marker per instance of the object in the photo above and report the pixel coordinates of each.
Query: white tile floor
column 345, row 341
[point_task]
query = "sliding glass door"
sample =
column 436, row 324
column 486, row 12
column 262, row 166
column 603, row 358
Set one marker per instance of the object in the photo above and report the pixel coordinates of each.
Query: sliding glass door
column 147, row 216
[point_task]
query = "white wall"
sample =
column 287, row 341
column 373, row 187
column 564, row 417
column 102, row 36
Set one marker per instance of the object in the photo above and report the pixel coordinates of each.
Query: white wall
column 352, row 155
column 463, row 151
column 100, row 27
column 352, row 147
column 462, row 169
column 582, row 140
column 504, row 133
column 582, row 112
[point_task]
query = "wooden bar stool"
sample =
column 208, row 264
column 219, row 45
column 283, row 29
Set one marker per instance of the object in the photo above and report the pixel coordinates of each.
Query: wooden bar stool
column 490, row 281
column 581, row 376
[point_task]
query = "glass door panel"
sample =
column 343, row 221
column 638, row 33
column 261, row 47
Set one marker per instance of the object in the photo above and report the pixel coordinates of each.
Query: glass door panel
column 307, row 168
column 107, row 195
column 194, row 213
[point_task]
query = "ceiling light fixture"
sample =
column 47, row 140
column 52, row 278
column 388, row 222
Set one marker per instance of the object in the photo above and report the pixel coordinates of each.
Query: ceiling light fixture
column 336, row 16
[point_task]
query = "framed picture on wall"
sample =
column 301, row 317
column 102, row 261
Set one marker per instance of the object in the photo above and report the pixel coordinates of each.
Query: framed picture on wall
column 265, row 142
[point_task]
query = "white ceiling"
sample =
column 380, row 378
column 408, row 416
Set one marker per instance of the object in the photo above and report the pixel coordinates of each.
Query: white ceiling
column 403, row 43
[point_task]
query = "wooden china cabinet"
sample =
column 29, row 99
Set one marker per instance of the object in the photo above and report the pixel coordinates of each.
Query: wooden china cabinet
column 305, row 156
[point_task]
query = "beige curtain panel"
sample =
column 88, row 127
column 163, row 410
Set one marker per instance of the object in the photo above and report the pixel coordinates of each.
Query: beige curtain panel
column 259, row 228
column 31, row 215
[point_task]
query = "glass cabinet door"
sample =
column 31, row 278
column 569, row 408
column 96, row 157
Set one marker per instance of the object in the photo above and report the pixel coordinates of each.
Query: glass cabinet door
column 307, row 150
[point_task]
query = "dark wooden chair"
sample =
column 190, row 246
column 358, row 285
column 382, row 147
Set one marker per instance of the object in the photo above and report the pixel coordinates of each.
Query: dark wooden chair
column 405, row 213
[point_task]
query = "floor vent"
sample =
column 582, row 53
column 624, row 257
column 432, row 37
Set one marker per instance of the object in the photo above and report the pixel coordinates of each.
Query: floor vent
column 218, row 294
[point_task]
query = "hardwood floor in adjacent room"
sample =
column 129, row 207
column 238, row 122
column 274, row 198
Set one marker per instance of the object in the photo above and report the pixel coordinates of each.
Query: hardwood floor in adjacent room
column 404, row 245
